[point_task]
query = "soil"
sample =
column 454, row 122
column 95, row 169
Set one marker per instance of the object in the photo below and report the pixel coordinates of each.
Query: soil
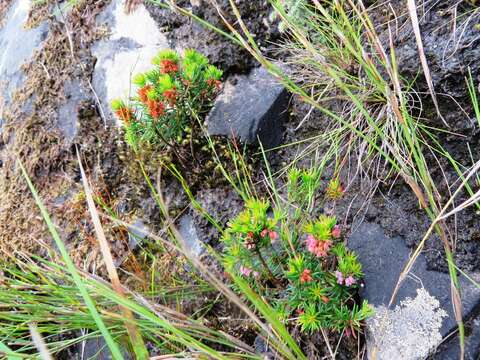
column 185, row 33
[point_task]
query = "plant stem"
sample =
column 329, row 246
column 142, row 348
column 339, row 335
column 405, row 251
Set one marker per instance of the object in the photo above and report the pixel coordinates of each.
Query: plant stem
column 264, row 263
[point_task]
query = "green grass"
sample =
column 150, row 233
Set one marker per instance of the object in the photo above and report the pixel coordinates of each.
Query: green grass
column 62, row 304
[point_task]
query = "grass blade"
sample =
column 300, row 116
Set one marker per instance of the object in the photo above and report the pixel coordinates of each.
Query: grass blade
column 4, row 349
column 412, row 9
column 112, row 345
column 135, row 337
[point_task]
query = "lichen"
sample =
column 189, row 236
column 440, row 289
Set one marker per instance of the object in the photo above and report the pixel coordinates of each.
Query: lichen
column 408, row 332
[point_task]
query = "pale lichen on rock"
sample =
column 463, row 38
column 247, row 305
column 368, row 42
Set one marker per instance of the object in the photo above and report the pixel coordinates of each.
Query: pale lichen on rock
column 409, row 332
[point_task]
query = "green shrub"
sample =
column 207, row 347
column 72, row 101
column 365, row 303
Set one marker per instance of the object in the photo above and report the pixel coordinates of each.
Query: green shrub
column 168, row 98
column 298, row 264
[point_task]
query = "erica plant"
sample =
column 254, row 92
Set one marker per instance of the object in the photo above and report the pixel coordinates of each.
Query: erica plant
column 168, row 98
column 299, row 264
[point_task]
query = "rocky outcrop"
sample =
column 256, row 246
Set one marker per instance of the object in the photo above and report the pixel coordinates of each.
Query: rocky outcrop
column 384, row 258
column 251, row 107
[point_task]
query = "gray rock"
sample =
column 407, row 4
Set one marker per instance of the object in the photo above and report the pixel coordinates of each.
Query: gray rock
column 137, row 233
column 17, row 46
column 97, row 349
column 68, row 112
column 262, row 348
column 187, row 229
column 451, row 350
column 450, row 51
column 384, row 258
column 250, row 106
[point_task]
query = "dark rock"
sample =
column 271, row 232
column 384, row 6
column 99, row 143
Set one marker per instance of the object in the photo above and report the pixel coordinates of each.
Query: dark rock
column 384, row 258
column 68, row 112
column 261, row 347
column 96, row 349
column 451, row 349
column 255, row 106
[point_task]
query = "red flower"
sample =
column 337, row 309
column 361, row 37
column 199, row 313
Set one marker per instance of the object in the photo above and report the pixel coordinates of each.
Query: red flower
column 300, row 311
column 249, row 242
column 171, row 96
column 273, row 235
column 125, row 114
column 143, row 93
column 325, row 299
column 214, row 83
column 264, row 233
column 306, row 276
column 168, row 66
column 156, row 108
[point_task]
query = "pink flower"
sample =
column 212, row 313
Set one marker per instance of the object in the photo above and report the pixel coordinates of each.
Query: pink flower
column 311, row 243
column 339, row 277
column 336, row 231
column 317, row 247
column 264, row 233
column 349, row 281
column 245, row 270
column 273, row 235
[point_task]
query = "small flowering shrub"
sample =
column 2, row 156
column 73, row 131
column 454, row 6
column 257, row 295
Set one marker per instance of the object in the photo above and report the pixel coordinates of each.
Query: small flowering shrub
column 300, row 265
column 168, row 98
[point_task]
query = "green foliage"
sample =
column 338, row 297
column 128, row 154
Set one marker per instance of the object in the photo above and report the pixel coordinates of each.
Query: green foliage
column 298, row 264
column 168, row 98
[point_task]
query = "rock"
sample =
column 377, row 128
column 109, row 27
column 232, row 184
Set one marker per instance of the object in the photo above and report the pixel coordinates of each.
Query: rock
column 137, row 233
column 223, row 204
column 68, row 112
column 262, row 348
column 134, row 40
column 18, row 45
column 221, row 51
column 97, row 348
column 384, row 258
column 187, row 229
column 451, row 350
column 408, row 332
column 250, row 106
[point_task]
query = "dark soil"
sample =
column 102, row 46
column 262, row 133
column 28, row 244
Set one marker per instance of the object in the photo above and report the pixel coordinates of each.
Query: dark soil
column 186, row 33
column 451, row 39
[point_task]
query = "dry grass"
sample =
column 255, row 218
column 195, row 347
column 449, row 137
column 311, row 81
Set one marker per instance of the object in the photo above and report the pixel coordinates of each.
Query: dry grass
column 33, row 138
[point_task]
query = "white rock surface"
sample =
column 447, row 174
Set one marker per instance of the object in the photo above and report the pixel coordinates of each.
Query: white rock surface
column 134, row 40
